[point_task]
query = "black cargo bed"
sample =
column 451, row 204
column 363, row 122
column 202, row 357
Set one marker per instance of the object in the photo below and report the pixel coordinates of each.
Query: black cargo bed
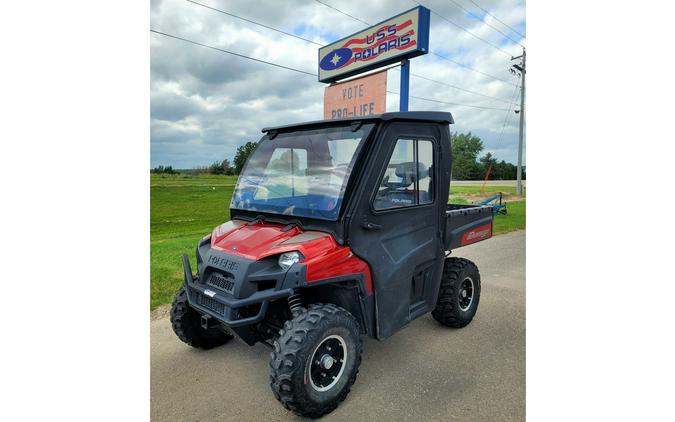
column 467, row 224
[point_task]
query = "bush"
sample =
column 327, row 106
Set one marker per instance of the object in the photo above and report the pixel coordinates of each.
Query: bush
column 163, row 170
column 223, row 167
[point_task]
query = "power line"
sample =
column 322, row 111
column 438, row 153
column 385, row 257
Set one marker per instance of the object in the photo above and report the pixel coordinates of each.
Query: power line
column 471, row 68
column 313, row 42
column 435, row 54
column 449, row 103
column 508, row 113
column 461, row 89
column 488, row 13
column 233, row 53
column 480, row 19
column 464, row 29
column 344, row 13
column 302, row 71
column 255, row 23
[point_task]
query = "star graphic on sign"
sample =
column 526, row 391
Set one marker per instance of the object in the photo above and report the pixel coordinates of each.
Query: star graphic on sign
column 335, row 59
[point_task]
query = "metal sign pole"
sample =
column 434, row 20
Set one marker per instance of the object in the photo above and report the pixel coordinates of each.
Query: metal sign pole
column 405, row 84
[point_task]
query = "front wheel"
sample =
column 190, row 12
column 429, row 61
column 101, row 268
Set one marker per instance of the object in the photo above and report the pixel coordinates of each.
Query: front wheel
column 315, row 360
column 459, row 293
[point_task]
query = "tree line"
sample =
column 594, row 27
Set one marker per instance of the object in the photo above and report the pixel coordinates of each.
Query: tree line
column 218, row 167
column 466, row 164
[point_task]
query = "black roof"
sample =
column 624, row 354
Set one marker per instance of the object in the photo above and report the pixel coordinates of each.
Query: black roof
column 424, row 116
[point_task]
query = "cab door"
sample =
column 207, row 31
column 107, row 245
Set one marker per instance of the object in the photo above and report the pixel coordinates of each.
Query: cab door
column 398, row 222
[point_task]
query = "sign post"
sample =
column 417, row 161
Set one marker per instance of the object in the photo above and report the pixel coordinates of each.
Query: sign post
column 405, row 85
column 396, row 39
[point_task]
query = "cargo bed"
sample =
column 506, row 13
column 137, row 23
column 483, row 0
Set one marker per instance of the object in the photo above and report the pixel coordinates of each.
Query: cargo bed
column 467, row 224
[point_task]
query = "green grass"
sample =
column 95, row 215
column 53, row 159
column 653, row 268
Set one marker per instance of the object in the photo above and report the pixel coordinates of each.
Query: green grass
column 513, row 220
column 515, row 216
column 184, row 208
column 475, row 189
column 175, row 180
column 460, row 201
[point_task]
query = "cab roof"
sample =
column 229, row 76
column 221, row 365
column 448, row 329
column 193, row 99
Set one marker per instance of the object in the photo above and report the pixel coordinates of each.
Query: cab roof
column 420, row 116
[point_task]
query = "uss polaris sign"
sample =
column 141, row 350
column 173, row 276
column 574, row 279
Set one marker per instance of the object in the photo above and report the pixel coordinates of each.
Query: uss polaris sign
column 401, row 37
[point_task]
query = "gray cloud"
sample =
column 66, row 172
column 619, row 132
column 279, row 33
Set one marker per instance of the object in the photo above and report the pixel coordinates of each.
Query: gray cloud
column 172, row 106
column 205, row 103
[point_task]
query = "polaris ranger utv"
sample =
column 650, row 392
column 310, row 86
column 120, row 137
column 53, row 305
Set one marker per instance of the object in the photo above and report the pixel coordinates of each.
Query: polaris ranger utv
column 339, row 229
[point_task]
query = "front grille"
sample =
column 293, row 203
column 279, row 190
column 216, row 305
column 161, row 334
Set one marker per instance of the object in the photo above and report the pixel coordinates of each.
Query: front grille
column 211, row 304
column 221, row 282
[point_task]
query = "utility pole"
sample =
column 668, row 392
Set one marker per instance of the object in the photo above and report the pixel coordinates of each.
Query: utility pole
column 521, row 69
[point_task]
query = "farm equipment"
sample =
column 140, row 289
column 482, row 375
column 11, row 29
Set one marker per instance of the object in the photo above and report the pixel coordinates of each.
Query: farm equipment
column 496, row 203
column 339, row 229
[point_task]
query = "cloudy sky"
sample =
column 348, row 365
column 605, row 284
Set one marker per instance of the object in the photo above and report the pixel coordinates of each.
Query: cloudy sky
column 205, row 103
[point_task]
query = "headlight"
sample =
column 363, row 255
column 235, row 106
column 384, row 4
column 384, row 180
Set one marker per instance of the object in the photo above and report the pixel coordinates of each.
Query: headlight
column 287, row 259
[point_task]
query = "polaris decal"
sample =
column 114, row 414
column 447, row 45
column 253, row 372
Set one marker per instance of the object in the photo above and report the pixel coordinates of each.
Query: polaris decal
column 403, row 36
column 479, row 233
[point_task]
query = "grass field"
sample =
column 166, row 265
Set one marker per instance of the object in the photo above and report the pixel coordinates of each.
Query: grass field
column 185, row 208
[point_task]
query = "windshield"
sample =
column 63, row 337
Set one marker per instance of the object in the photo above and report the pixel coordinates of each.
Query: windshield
column 301, row 173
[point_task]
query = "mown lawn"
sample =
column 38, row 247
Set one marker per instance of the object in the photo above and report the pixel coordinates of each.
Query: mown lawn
column 185, row 208
column 515, row 216
column 475, row 189
column 182, row 210
column 513, row 220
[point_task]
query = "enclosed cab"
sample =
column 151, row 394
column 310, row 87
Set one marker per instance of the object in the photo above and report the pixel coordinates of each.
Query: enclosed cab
column 338, row 229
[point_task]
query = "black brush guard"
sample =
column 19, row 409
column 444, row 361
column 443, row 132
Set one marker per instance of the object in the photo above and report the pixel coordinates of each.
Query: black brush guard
column 229, row 305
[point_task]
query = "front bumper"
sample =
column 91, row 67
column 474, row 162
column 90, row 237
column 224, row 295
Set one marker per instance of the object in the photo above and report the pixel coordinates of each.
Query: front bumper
column 223, row 306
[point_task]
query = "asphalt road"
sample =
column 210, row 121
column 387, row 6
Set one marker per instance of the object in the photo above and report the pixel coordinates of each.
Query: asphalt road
column 489, row 182
column 424, row 372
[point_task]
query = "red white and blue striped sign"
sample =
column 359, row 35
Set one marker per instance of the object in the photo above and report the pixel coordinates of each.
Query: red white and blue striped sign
column 403, row 36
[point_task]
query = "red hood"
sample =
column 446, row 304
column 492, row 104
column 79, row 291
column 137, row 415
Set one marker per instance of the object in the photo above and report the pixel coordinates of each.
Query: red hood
column 323, row 257
column 256, row 241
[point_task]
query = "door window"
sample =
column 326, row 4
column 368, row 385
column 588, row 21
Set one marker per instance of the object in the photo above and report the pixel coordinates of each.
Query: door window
column 407, row 180
column 425, row 157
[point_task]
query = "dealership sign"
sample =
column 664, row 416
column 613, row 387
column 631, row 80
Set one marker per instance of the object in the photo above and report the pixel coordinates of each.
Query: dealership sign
column 395, row 39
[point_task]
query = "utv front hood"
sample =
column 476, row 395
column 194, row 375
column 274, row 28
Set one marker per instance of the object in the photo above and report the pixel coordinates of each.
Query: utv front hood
column 259, row 240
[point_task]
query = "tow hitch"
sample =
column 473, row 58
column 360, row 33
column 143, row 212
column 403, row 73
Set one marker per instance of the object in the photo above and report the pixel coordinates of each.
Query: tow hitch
column 208, row 322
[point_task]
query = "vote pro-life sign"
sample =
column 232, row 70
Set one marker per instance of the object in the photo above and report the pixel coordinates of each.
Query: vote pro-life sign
column 358, row 97
column 401, row 37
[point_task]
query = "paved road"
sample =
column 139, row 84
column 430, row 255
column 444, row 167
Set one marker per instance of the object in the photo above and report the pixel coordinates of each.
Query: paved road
column 425, row 372
column 489, row 183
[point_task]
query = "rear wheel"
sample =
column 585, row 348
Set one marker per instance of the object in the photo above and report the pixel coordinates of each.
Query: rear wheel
column 186, row 323
column 459, row 293
column 315, row 360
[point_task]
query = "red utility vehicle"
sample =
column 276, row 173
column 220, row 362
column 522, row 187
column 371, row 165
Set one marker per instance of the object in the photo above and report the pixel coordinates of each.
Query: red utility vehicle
column 339, row 229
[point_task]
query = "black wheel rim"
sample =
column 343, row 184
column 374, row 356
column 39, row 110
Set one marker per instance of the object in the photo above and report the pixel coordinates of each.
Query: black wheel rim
column 327, row 363
column 466, row 292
